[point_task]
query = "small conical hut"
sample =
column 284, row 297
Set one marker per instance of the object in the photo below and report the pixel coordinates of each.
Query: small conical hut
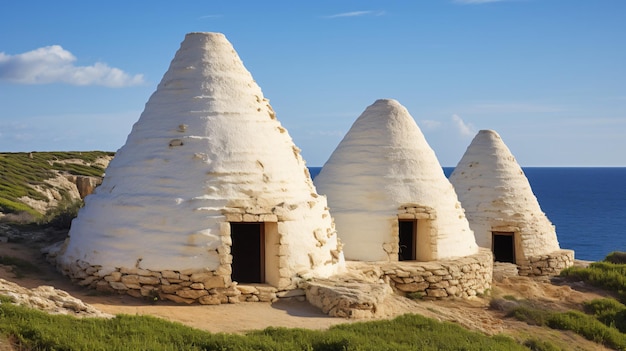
column 208, row 191
column 388, row 194
column 503, row 210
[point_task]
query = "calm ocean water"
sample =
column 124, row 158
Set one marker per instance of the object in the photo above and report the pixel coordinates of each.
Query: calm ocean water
column 587, row 205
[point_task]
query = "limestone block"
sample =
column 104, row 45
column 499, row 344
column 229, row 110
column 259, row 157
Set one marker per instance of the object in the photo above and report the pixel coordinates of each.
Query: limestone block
column 152, row 280
column 226, row 259
column 441, row 284
column 402, row 274
column 132, row 279
column 176, row 298
column 118, row 285
column 234, row 217
column 224, row 269
column 126, row 270
column 453, row 290
column 170, row 275
column 197, row 286
column 225, row 228
column 188, row 293
column 252, row 298
column 250, row 218
column 268, row 218
column 170, row 289
column 247, row 289
column 113, row 277
column 434, row 279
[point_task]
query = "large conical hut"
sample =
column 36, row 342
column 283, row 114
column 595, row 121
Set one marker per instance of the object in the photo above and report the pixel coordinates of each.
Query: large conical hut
column 503, row 210
column 388, row 194
column 208, row 191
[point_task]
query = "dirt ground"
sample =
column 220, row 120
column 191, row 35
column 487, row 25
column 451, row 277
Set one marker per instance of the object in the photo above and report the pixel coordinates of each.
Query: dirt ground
column 474, row 314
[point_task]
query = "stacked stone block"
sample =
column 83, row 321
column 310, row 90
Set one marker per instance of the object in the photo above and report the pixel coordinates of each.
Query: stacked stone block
column 547, row 265
column 206, row 288
column 461, row 277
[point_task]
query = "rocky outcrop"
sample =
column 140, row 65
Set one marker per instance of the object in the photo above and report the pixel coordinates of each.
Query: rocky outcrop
column 49, row 299
column 85, row 185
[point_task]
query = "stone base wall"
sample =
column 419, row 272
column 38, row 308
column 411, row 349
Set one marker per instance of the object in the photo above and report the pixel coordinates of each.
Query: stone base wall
column 206, row 288
column 547, row 265
column 461, row 277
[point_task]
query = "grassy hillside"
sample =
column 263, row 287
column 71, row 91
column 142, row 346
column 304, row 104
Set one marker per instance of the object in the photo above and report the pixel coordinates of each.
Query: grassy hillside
column 21, row 171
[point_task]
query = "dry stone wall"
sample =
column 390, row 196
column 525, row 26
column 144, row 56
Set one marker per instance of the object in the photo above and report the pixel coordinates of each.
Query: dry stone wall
column 547, row 265
column 461, row 277
column 193, row 286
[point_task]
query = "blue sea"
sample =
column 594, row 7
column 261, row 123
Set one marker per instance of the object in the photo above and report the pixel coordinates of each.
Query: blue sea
column 587, row 206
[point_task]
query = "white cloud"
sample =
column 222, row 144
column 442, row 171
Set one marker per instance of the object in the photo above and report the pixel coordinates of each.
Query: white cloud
column 356, row 14
column 53, row 64
column 465, row 129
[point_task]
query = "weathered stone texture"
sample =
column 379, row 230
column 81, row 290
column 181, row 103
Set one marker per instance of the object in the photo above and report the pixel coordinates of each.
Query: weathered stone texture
column 547, row 265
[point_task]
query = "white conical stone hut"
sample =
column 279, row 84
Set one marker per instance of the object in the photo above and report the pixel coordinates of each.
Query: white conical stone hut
column 503, row 210
column 388, row 194
column 208, row 189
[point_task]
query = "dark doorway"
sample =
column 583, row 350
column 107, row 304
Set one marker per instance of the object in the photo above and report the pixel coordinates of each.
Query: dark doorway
column 248, row 251
column 406, row 236
column 503, row 247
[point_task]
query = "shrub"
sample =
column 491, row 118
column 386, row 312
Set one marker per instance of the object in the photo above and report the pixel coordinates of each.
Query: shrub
column 608, row 311
column 616, row 257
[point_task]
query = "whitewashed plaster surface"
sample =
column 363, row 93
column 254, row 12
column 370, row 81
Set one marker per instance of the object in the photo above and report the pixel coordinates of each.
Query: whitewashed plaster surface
column 383, row 163
column 497, row 196
column 207, row 144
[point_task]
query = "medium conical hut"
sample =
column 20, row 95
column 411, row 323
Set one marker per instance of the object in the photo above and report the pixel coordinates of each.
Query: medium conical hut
column 388, row 194
column 208, row 189
column 502, row 209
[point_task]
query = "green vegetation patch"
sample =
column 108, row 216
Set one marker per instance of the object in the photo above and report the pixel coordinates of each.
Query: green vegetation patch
column 580, row 323
column 605, row 274
column 603, row 320
column 32, row 329
column 21, row 171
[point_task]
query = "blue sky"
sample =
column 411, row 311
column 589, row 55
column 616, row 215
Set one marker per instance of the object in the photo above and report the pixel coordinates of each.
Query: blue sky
column 548, row 75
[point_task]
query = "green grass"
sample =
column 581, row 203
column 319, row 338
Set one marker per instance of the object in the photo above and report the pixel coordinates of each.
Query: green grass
column 604, row 274
column 20, row 171
column 580, row 323
column 603, row 320
column 35, row 330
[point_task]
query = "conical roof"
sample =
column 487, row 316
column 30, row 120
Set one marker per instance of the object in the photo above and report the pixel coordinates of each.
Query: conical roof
column 206, row 149
column 383, row 163
column 497, row 196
